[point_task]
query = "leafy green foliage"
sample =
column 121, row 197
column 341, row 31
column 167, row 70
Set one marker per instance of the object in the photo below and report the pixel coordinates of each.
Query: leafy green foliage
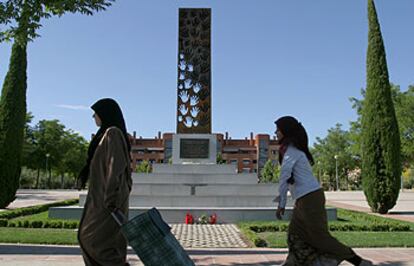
column 144, row 167
column 12, row 119
column 31, row 12
column 404, row 110
column 381, row 163
column 67, row 152
column 270, row 172
column 338, row 142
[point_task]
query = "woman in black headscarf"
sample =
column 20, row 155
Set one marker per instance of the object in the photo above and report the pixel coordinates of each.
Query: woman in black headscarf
column 108, row 174
column 309, row 240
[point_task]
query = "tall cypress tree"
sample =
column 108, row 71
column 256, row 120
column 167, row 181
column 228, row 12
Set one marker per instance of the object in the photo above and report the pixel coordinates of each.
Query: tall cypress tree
column 27, row 14
column 381, row 162
column 12, row 119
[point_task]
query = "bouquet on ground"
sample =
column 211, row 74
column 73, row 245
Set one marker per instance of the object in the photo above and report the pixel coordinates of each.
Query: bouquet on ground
column 203, row 219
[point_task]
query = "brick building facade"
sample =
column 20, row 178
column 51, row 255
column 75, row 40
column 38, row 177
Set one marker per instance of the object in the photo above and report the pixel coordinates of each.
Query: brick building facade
column 249, row 154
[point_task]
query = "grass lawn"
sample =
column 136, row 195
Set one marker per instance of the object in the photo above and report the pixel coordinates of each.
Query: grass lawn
column 38, row 236
column 352, row 239
column 374, row 235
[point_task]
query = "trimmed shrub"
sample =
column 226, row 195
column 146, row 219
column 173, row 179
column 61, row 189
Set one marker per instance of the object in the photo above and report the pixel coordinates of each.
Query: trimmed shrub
column 35, row 209
column 260, row 242
column 3, row 222
column 36, row 224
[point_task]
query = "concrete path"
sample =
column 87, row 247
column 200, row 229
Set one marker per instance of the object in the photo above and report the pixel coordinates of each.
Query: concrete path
column 35, row 255
column 33, row 197
column 355, row 200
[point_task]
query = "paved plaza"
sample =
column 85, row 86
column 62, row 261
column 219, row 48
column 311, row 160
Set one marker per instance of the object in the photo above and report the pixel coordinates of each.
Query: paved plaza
column 355, row 200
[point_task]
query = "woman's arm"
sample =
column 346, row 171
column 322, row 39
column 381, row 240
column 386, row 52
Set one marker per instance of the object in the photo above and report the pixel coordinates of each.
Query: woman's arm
column 289, row 160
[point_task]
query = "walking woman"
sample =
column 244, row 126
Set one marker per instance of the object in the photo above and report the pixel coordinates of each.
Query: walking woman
column 109, row 175
column 309, row 240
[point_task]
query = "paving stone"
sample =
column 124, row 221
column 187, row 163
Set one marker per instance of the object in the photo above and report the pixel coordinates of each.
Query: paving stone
column 208, row 235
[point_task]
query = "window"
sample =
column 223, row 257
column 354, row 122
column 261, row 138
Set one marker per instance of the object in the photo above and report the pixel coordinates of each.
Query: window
column 246, row 162
column 234, row 162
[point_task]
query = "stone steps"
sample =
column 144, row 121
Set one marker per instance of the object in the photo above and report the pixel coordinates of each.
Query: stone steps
column 199, row 178
column 215, row 169
column 199, row 189
column 197, row 201
column 204, row 189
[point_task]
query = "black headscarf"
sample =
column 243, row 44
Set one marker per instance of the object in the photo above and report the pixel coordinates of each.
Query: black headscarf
column 110, row 114
column 293, row 133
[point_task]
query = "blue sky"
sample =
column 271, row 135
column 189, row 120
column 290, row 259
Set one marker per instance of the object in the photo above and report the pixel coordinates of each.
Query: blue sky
column 269, row 58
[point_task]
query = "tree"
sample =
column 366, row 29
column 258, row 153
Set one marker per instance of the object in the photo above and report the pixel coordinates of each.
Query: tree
column 337, row 142
column 49, row 136
column 404, row 110
column 22, row 18
column 380, row 139
column 404, row 103
column 12, row 120
column 144, row 167
column 11, row 11
column 66, row 148
column 270, row 172
column 74, row 149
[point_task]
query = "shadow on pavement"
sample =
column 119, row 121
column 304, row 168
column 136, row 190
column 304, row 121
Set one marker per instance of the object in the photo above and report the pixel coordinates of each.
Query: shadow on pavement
column 396, row 263
column 39, row 250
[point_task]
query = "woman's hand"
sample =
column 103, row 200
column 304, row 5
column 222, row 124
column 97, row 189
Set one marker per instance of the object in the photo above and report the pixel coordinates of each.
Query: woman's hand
column 280, row 212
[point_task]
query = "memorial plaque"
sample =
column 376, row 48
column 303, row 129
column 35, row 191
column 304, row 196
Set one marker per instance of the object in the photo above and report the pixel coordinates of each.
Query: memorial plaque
column 194, row 148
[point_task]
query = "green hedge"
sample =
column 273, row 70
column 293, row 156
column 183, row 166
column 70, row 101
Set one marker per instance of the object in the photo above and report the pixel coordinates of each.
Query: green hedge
column 253, row 237
column 39, row 224
column 35, row 209
column 338, row 226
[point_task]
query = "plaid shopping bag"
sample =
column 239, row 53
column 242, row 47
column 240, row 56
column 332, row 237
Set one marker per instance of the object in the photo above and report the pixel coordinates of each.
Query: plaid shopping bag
column 152, row 240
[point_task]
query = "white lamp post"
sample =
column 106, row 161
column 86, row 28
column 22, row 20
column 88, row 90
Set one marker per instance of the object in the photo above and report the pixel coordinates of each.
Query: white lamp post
column 336, row 172
column 47, row 167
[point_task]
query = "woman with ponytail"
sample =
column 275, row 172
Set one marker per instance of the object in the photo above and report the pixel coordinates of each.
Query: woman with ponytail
column 108, row 174
column 309, row 240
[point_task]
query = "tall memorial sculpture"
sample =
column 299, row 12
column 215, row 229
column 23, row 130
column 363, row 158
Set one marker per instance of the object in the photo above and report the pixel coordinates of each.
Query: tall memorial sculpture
column 194, row 142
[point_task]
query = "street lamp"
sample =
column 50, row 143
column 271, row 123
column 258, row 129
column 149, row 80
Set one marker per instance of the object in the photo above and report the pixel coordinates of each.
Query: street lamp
column 336, row 172
column 47, row 167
